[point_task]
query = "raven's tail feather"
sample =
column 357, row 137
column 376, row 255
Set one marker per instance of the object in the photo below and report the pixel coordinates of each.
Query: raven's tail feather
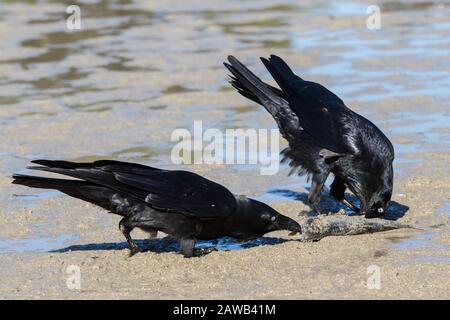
column 47, row 183
column 70, row 187
column 253, row 88
column 83, row 190
column 281, row 73
column 76, row 165
column 273, row 99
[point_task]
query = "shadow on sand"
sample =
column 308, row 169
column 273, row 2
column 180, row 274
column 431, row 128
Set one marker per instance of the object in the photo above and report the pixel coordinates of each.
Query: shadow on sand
column 170, row 244
column 395, row 210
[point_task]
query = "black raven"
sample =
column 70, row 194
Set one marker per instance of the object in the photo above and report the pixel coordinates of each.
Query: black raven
column 179, row 203
column 324, row 136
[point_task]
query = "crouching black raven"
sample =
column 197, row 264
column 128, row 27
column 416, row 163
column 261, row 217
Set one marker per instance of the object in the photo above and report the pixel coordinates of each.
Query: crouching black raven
column 324, row 136
column 179, row 203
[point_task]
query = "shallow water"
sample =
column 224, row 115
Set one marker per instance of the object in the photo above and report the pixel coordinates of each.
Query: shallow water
column 37, row 243
column 44, row 243
column 136, row 70
column 168, row 244
column 426, row 240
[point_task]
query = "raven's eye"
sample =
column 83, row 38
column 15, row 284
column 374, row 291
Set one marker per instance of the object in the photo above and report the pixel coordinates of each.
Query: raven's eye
column 380, row 210
column 273, row 218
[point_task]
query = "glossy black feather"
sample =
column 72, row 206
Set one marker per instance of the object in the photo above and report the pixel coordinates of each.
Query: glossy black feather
column 324, row 135
column 180, row 203
column 180, row 191
column 321, row 113
column 90, row 192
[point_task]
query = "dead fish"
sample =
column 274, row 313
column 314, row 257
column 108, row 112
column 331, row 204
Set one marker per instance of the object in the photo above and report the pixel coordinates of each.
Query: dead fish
column 316, row 228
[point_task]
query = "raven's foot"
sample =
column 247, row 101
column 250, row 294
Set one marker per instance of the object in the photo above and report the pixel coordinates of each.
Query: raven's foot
column 315, row 208
column 126, row 229
column 204, row 251
column 133, row 251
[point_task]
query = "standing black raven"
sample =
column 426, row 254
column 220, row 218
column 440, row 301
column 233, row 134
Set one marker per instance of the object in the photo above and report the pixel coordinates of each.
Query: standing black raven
column 179, row 203
column 324, row 136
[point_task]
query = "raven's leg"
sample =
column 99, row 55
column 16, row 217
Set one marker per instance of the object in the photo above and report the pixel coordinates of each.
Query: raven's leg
column 318, row 180
column 337, row 190
column 126, row 229
column 187, row 247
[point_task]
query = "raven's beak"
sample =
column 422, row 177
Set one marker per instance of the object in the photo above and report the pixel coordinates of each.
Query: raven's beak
column 285, row 223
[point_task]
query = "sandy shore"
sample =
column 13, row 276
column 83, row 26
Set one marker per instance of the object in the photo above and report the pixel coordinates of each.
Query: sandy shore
column 119, row 88
column 413, row 264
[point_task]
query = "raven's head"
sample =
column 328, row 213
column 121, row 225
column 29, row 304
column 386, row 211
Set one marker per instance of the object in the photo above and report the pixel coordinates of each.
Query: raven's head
column 268, row 219
column 256, row 219
column 380, row 188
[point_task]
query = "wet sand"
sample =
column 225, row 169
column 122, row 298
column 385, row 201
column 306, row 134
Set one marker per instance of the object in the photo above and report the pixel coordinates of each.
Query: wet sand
column 135, row 72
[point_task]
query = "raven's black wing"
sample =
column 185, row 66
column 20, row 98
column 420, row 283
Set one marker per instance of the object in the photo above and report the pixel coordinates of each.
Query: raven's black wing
column 321, row 113
column 182, row 191
column 177, row 191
